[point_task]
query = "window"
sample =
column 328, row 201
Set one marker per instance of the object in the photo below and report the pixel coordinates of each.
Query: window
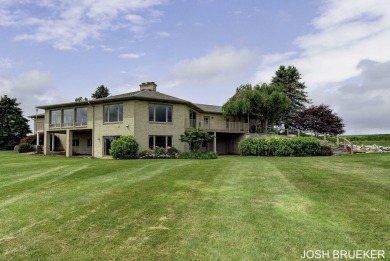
column 160, row 141
column 68, row 118
column 76, row 143
column 160, row 113
column 113, row 113
column 107, row 143
column 192, row 119
column 206, row 121
column 89, row 142
column 55, row 119
column 81, row 117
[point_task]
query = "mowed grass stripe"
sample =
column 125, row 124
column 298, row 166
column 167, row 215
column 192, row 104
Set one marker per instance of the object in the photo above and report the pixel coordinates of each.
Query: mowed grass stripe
column 233, row 208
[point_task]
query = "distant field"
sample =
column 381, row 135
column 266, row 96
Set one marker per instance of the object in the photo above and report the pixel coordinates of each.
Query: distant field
column 232, row 208
column 378, row 139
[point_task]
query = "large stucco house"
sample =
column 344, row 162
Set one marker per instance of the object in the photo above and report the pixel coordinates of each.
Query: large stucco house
column 153, row 118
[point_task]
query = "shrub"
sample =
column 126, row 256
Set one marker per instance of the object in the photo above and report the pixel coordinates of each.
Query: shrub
column 326, row 151
column 25, row 147
column 30, row 139
column 160, row 153
column 125, row 147
column 275, row 146
column 198, row 155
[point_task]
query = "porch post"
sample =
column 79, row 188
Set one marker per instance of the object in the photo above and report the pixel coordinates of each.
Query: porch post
column 52, row 142
column 68, row 143
column 37, row 138
column 215, row 142
column 46, row 142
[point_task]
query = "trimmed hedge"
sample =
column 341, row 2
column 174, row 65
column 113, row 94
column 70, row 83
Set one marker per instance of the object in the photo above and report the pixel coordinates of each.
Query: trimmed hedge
column 276, row 146
column 197, row 154
column 125, row 147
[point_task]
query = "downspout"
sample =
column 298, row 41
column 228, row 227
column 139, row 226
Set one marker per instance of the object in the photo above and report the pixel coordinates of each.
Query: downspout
column 36, row 126
column 93, row 129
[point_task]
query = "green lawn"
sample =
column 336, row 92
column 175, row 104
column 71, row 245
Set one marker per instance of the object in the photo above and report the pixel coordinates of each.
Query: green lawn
column 233, row 208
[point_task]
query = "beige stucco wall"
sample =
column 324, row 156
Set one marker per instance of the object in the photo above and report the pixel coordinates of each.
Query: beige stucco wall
column 143, row 128
column 101, row 129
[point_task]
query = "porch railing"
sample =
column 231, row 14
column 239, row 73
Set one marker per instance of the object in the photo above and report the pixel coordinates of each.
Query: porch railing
column 217, row 125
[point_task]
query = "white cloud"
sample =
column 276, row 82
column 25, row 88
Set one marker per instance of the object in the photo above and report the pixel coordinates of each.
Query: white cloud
column 163, row 34
column 5, row 63
column 30, row 88
column 69, row 24
column 220, row 65
column 334, row 62
column 131, row 55
column 347, row 32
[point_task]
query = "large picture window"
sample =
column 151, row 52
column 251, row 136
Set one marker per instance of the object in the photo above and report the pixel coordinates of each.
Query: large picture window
column 160, row 141
column 55, row 119
column 68, row 118
column 160, row 113
column 81, row 117
column 113, row 113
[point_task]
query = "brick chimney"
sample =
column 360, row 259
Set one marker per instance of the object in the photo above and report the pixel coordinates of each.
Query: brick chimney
column 149, row 86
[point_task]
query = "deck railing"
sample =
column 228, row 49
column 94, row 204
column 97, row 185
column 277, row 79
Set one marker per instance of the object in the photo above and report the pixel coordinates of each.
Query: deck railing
column 218, row 125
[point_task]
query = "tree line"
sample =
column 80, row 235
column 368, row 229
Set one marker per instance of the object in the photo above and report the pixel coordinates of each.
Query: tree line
column 283, row 101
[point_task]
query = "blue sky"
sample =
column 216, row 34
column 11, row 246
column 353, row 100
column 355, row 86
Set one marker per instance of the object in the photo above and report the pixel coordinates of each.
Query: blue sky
column 199, row 50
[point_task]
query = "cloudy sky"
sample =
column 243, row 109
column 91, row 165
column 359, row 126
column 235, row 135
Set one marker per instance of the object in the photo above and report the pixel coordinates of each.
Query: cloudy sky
column 199, row 50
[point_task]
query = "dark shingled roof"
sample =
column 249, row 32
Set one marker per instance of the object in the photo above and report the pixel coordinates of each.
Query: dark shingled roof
column 209, row 108
column 143, row 95
column 140, row 95
column 41, row 115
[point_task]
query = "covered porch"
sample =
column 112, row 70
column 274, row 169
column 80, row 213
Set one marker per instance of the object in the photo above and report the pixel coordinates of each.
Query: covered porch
column 224, row 143
column 68, row 142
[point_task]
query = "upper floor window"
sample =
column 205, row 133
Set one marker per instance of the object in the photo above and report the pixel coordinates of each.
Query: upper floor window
column 55, row 119
column 160, row 113
column 81, row 117
column 68, row 118
column 113, row 113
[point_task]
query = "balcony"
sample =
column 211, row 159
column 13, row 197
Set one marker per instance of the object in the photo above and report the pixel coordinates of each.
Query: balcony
column 68, row 125
column 226, row 126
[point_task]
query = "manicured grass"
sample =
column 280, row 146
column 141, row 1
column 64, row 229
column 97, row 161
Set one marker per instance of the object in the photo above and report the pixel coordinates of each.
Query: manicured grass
column 232, row 208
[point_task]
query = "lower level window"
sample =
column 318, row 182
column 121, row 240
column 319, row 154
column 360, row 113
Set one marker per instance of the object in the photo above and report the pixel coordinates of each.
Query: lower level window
column 76, row 143
column 160, row 141
column 107, row 143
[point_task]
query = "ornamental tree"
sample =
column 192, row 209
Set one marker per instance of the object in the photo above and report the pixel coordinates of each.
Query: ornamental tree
column 13, row 126
column 262, row 102
column 320, row 120
column 195, row 138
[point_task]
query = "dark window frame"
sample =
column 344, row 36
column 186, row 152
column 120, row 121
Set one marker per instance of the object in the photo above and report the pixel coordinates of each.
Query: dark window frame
column 106, row 113
column 152, row 138
column 153, row 115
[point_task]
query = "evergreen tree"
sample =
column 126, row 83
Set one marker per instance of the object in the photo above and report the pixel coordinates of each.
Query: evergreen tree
column 289, row 77
column 13, row 126
column 101, row 92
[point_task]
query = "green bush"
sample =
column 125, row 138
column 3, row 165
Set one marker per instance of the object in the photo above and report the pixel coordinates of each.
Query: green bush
column 25, row 147
column 125, row 147
column 326, row 151
column 198, row 155
column 276, row 146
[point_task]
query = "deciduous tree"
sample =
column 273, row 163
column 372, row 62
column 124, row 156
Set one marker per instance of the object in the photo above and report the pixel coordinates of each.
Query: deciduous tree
column 195, row 138
column 320, row 120
column 13, row 126
column 261, row 102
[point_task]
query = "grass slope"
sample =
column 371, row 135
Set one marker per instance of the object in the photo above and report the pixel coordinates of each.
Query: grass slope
column 233, row 208
column 370, row 139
